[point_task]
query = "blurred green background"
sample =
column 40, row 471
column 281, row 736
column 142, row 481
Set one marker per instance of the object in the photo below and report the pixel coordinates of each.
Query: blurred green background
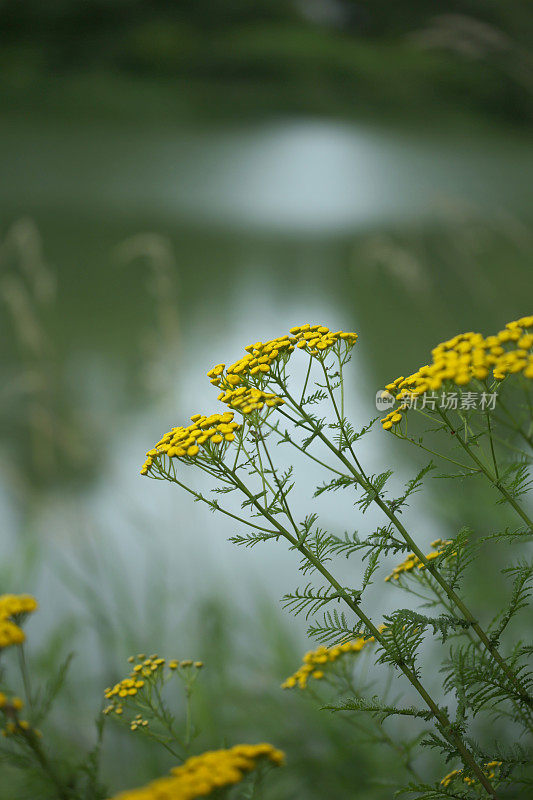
column 176, row 181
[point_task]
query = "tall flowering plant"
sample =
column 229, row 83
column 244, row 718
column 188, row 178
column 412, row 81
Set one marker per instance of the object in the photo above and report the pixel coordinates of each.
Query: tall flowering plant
column 485, row 673
column 137, row 700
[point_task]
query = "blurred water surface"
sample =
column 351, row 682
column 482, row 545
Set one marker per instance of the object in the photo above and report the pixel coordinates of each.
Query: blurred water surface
column 288, row 176
column 172, row 249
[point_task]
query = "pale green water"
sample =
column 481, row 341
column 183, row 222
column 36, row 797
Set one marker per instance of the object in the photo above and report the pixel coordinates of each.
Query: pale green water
column 132, row 261
column 245, row 232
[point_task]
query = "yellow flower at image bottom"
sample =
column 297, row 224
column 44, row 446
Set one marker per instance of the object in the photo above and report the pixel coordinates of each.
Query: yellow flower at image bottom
column 201, row 775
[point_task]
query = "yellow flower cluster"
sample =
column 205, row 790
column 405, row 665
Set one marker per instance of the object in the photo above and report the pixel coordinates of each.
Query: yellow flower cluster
column 138, row 723
column 413, row 561
column 317, row 338
column 201, row 775
column 250, row 399
column 11, row 707
column 234, row 381
column 145, row 670
column 464, row 358
column 259, row 357
column 393, row 417
column 15, row 704
column 13, row 604
column 184, row 443
column 489, row 771
column 10, row 633
column 11, row 607
column 315, row 660
column 257, row 361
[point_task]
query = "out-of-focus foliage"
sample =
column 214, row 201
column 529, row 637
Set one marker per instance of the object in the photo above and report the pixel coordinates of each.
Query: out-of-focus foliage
column 329, row 56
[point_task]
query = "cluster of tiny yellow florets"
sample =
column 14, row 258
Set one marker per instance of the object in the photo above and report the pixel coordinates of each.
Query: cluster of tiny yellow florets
column 464, row 358
column 10, row 708
column 185, row 443
column 393, row 417
column 489, row 771
column 209, row 772
column 413, row 562
column 12, row 608
column 234, row 381
column 315, row 339
column 146, row 671
column 257, row 362
column 247, row 399
column 315, row 661
column 260, row 356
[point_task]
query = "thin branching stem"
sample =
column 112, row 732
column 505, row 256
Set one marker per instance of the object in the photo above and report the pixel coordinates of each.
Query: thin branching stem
column 438, row 714
column 521, row 690
column 216, row 504
column 486, row 471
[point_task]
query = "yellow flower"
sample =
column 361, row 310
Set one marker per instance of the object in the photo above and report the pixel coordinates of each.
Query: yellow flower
column 188, row 442
column 201, row 775
column 456, row 773
column 10, row 633
column 413, row 561
column 316, row 339
column 256, row 364
column 250, row 399
column 13, row 604
column 467, row 357
column 315, row 661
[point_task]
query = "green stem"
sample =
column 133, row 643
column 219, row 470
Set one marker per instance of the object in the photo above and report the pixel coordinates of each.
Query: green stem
column 516, row 428
column 429, row 450
column 381, row 733
column 156, row 709
column 360, row 479
column 306, row 379
column 340, row 420
column 33, row 743
column 188, row 729
column 526, row 715
column 494, row 462
column 443, row 722
column 278, row 484
column 301, row 449
column 484, row 469
column 198, row 496
column 25, row 676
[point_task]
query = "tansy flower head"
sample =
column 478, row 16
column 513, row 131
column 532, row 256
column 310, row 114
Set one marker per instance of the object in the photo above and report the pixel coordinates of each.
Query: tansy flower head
column 247, row 399
column 13, row 604
column 489, row 769
column 12, row 608
column 145, row 673
column 413, row 562
column 318, row 339
column 207, row 773
column 464, row 358
column 207, row 435
column 315, row 661
column 149, row 673
column 10, row 633
column 254, row 366
column 253, row 369
column 10, row 708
